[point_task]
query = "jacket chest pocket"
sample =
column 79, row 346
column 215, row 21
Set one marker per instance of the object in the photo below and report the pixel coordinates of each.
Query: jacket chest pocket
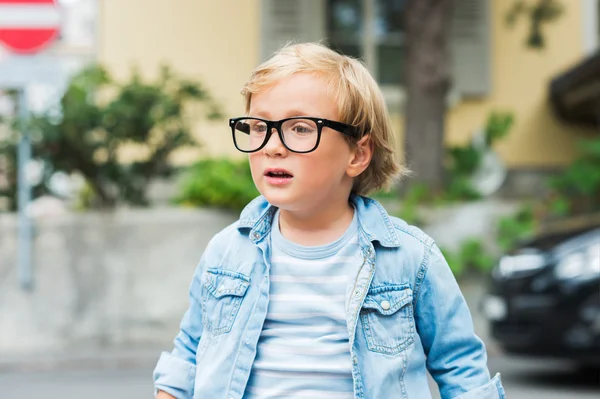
column 387, row 319
column 222, row 298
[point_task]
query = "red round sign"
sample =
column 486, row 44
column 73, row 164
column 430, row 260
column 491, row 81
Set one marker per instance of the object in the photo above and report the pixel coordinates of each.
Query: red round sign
column 27, row 26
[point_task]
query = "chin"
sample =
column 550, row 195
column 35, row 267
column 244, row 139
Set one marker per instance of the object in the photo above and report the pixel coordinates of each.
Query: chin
column 279, row 199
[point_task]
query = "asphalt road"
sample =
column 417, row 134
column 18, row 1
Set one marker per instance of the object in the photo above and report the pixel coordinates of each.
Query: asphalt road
column 522, row 380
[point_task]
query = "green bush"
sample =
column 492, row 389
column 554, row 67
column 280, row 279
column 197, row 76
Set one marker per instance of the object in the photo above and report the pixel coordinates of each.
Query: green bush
column 8, row 175
column 218, row 183
column 98, row 116
column 471, row 255
column 475, row 256
column 454, row 261
column 512, row 229
column 416, row 195
column 463, row 161
column 459, row 189
column 577, row 189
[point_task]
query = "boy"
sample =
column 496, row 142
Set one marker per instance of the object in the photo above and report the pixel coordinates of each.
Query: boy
column 316, row 292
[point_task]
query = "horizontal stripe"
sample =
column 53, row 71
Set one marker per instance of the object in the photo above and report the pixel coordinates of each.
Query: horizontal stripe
column 288, row 260
column 29, row 16
column 326, row 299
column 307, row 393
column 332, row 339
column 298, row 375
column 310, row 279
column 310, row 289
column 270, row 349
column 303, row 331
column 330, row 382
column 295, row 316
column 330, row 308
column 300, row 367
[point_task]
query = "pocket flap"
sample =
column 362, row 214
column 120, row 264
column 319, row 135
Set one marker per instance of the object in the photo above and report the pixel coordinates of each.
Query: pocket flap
column 221, row 282
column 388, row 299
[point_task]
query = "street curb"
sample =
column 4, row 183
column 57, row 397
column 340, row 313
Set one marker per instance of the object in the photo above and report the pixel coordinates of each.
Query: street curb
column 105, row 360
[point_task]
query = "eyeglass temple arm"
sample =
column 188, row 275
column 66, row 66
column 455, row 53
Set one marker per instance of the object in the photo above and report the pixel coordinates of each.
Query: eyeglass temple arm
column 350, row 130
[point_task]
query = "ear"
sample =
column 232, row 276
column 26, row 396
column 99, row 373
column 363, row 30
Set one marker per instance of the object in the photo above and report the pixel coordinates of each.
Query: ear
column 361, row 156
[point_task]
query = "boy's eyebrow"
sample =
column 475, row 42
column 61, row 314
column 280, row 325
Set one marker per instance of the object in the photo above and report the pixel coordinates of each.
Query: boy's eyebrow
column 289, row 114
column 259, row 114
column 296, row 112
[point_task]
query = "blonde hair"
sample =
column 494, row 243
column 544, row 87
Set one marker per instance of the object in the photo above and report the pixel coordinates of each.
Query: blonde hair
column 360, row 103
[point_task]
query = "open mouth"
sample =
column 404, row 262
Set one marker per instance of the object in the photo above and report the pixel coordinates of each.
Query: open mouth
column 279, row 174
column 278, row 177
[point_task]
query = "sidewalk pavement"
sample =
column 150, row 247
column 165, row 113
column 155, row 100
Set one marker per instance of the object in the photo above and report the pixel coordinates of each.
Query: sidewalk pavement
column 145, row 358
column 113, row 359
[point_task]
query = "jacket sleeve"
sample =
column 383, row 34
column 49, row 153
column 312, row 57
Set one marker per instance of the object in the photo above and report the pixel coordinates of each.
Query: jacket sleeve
column 456, row 357
column 176, row 370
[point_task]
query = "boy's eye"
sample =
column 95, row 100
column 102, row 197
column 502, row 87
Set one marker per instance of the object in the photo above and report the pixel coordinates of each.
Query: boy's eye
column 259, row 127
column 302, row 128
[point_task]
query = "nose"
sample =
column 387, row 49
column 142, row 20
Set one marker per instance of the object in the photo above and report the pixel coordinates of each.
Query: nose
column 274, row 146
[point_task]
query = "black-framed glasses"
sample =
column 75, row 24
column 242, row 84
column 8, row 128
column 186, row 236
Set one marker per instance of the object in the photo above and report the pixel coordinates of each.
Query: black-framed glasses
column 300, row 134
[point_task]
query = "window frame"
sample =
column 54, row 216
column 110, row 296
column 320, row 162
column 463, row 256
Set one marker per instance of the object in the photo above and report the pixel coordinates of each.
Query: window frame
column 472, row 64
column 590, row 25
column 394, row 94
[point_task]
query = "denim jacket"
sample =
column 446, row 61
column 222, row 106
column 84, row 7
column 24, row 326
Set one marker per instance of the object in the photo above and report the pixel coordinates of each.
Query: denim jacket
column 427, row 327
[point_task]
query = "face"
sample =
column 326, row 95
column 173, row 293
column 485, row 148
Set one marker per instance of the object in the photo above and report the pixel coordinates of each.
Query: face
column 301, row 182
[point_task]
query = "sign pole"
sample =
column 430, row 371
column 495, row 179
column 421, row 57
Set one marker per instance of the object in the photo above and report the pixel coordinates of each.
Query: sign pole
column 26, row 28
column 24, row 197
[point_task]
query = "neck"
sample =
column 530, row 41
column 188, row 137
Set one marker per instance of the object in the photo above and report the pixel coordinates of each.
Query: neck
column 317, row 226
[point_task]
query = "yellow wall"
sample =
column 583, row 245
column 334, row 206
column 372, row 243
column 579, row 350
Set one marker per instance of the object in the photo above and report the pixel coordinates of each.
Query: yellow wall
column 216, row 42
column 520, row 79
column 206, row 39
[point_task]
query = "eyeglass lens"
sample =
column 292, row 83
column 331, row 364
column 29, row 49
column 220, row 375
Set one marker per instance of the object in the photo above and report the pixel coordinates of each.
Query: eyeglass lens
column 298, row 134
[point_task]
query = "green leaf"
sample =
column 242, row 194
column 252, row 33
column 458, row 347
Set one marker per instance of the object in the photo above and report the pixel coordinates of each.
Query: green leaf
column 219, row 183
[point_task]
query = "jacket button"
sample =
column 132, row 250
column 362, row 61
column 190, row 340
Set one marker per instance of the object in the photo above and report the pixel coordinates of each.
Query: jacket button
column 385, row 305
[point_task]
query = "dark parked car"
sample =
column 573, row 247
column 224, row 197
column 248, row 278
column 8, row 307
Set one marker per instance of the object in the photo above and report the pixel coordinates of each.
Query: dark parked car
column 544, row 299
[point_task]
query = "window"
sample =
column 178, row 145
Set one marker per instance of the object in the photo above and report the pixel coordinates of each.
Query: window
column 372, row 30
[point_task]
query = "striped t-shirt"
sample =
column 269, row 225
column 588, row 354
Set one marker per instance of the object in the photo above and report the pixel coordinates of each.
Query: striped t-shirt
column 303, row 350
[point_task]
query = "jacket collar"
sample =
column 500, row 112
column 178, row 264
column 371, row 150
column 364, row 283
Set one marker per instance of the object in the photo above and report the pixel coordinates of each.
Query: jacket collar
column 257, row 217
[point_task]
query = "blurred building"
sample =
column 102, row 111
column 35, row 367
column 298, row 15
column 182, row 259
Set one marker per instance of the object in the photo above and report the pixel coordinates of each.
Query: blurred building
column 220, row 42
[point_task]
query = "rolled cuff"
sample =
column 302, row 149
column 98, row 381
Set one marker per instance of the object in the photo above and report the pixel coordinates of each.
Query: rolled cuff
column 175, row 376
column 492, row 390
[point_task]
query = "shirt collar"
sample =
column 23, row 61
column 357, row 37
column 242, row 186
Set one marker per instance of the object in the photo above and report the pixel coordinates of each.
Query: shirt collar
column 257, row 217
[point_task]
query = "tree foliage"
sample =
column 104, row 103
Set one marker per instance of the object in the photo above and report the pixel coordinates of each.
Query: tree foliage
column 538, row 13
column 98, row 116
